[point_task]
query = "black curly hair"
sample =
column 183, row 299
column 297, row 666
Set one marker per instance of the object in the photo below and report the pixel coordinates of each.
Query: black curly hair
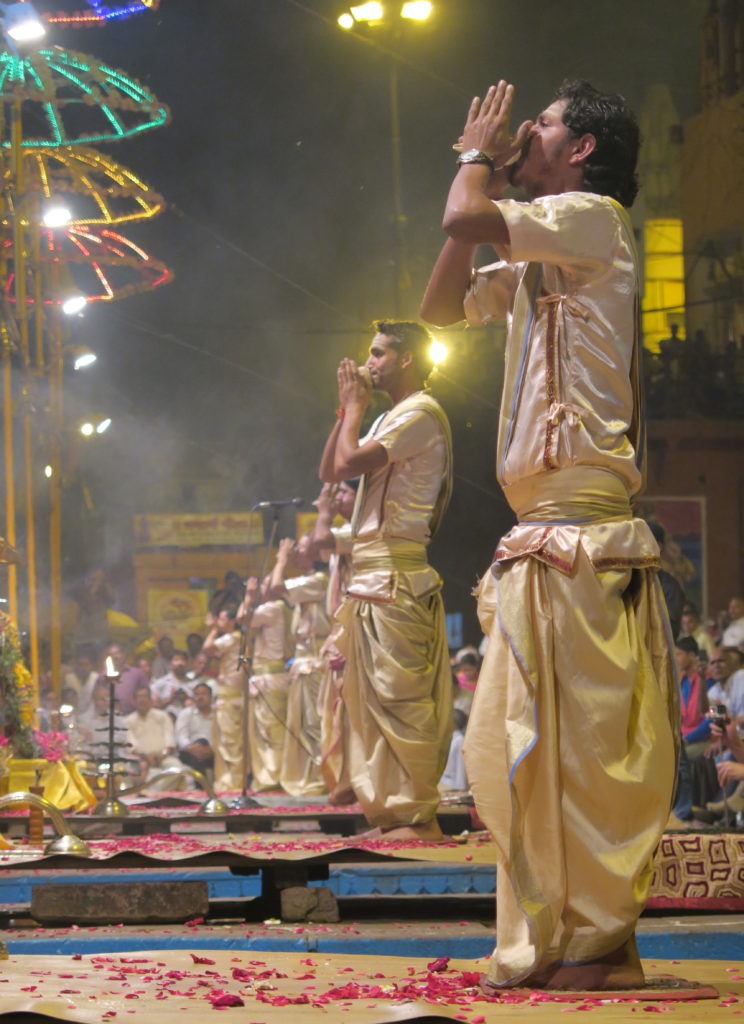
column 610, row 169
column 410, row 336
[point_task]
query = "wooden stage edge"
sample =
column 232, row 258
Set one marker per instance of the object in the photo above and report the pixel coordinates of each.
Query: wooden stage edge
column 289, row 988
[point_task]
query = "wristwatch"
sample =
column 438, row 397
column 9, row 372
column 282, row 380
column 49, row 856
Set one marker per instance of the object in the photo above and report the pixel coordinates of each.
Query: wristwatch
column 475, row 156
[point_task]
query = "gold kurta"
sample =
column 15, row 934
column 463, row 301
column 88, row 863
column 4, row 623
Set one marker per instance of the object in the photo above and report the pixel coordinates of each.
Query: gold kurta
column 267, row 694
column 571, row 743
column 334, row 731
column 228, row 761
column 397, row 680
column 300, row 774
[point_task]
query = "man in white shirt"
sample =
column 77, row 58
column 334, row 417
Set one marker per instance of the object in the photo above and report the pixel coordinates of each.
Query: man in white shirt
column 193, row 730
column 727, row 671
column 199, row 672
column 82, row 678
column 91, row 734
column 171, row 691
column 733, row 634
column 150, row 734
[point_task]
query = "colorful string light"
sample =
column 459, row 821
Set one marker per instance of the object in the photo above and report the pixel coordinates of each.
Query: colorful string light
column 57, row 82
column 100, row 190
column 101, row 13
column 105, row 265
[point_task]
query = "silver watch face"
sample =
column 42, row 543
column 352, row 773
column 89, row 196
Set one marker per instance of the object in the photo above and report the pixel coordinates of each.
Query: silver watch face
column 472, row 156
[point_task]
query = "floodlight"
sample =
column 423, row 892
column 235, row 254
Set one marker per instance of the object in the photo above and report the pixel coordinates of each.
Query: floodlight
column 371, row 11
column 83, row 360
column 56, row 216
column 86, row 429
column 437, row 351
column 103, row 425
column 416, row 10
column 48, row 471
column 75, row 304
column 21, row 22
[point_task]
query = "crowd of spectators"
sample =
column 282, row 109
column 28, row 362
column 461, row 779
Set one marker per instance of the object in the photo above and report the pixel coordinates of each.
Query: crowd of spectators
column 163, row 708
column 688, row 378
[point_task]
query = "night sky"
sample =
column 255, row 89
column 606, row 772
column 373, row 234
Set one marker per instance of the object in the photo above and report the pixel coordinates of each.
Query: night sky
column 276, row 166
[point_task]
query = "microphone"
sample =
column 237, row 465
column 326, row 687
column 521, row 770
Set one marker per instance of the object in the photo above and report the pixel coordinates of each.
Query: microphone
column 263, row 506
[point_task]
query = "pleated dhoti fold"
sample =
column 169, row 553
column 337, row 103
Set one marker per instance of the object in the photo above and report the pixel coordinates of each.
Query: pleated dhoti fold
column 570, row 748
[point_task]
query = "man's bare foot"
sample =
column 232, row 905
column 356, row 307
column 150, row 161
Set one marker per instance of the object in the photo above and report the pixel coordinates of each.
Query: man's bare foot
column 618, row 970
column 428, row 830
column 371, row 833
column 341, row 795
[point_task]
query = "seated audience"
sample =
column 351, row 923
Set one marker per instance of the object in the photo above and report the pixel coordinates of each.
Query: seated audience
column 194, row 730
column 172, row 690
column 150, row 733
column 454, row 776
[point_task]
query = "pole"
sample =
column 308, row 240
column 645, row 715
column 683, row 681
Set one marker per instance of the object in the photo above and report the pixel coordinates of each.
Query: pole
column 10, row 516
column 402, row 276
column 55, row 502
column 19, row 255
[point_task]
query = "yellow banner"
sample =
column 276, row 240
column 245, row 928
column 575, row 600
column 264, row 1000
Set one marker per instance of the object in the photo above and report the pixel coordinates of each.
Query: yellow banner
column 305, row 521
column 176, row 612
column 229, row 529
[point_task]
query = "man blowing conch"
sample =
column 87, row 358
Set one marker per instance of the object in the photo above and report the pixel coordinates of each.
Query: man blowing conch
column 571, row 744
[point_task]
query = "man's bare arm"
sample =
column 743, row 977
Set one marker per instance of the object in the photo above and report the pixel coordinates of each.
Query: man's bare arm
column 326, row 471
column 353, row 459
column 470, row 216
column 349, row 457
column 322, row 537
column 275, row 587
column 442, row 304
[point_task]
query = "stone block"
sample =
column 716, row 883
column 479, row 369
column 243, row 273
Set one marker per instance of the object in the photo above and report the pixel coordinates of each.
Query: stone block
column 119, row 902
column 309, row 903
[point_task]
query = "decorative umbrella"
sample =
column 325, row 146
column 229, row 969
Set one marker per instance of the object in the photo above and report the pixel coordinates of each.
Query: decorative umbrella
column 98, row 189
column 104, row 265
column 67, row 98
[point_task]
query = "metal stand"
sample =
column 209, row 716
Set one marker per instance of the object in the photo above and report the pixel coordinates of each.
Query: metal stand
column 111, row 807
column 245, row 661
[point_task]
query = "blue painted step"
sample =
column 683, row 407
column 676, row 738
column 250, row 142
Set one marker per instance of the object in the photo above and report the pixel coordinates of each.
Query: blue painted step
column 380, row 879
column 693, row 945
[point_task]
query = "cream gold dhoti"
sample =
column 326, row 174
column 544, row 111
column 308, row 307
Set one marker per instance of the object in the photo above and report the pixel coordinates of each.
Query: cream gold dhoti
column 397, row 682
column 228, row 762
column 334, row 726
column 570, row 748
column 300, row 774
column 267, row 715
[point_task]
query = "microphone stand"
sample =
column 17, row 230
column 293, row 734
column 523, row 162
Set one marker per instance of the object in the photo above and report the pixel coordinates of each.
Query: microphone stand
column 245, row 661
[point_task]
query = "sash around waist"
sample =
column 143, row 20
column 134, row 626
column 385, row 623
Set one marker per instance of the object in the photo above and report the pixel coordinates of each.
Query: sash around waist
column 405, row 555
column 268, row 667
column 576, row 494
column 582, row 506
column 379, row 567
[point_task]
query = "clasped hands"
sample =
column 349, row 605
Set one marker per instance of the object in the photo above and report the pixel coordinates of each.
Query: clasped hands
column 352, row 391
column 487, row 129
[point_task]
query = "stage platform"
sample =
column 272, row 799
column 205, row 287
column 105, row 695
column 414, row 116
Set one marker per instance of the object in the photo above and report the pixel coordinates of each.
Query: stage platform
column 179, row 813
column 166, row 986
